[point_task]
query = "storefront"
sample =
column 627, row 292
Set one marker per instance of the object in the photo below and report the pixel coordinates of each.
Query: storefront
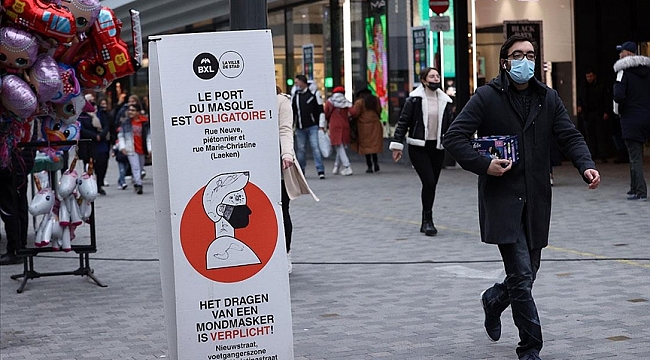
column 382, row 44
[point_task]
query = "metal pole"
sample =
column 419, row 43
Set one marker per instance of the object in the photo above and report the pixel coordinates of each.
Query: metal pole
column 248, row 14
column 462, row 56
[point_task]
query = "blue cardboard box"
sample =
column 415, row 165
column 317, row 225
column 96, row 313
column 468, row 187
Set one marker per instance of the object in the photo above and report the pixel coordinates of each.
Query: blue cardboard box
column 498, row 147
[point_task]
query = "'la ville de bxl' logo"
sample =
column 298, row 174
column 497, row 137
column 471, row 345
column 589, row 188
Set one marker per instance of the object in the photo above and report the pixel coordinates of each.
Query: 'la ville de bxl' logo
column 230, row 64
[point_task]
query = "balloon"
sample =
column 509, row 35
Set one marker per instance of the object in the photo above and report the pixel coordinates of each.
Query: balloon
column 46, row 18
column 44, row 77
column 85, row 13
column 106, row 56
column 18, row 97
column 69, row 85
column 68, row 112
column 18, row 48
column 53, row 129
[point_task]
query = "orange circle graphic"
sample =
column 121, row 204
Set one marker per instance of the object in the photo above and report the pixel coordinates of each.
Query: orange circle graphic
column 197, row 232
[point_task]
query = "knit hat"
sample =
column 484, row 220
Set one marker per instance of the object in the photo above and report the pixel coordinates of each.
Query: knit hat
column 338, row 89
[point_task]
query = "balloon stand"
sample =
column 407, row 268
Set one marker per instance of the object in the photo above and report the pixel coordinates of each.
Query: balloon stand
column 83, row 250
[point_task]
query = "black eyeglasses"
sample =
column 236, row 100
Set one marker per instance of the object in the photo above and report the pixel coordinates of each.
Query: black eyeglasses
column 519, row 55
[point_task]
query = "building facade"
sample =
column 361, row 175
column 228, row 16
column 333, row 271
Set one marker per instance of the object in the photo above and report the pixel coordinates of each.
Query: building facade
column 382, row 44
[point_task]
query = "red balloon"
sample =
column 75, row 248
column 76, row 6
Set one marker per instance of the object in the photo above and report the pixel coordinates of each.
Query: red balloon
column 106, row 56
column 46, row 18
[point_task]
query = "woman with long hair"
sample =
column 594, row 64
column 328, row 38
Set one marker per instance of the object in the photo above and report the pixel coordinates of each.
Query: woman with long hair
column 369, row 131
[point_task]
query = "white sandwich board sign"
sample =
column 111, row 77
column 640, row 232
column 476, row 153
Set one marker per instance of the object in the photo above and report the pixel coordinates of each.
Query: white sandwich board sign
column 217, row 187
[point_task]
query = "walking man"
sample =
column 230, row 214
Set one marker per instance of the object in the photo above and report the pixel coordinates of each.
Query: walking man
column 308, row 113
column 514, row 200
column 632, row 94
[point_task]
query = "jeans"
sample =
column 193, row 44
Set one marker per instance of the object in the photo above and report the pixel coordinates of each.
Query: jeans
column 301, row 141
column 137, row 164
column 637, row 181
column 123, row 168
column 521, row 265
column 427, row 162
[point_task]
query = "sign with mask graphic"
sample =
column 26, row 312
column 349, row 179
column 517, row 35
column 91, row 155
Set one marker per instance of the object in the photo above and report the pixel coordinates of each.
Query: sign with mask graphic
column 217, row 180
column 533, row 30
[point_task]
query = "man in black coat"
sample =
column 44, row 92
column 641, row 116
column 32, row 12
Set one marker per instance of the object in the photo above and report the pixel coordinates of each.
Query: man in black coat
column 514, row 200
column 632, row 94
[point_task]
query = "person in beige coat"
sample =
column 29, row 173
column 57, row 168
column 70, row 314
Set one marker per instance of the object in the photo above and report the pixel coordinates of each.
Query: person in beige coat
column 293, row 180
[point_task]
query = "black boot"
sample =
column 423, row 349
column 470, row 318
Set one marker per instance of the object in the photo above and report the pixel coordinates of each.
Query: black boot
column 427, row 224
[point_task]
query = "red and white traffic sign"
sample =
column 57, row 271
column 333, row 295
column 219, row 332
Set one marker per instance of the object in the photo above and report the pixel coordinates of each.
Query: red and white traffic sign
column 439, row 6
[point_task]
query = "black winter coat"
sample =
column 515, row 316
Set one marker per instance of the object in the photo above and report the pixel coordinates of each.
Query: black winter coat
column 411, row 119
column 524, row 192
column 632, row 93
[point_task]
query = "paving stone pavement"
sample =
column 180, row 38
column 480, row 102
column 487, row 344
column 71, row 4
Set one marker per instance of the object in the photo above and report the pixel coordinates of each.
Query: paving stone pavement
column 366, row 283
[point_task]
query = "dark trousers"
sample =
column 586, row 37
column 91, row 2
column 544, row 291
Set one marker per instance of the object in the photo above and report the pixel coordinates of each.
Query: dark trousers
column 370, row 159
column 427, row 162
column 637, row 180
column 521, row 265
column 13, row 209
column 288, row 226
column 597, row 135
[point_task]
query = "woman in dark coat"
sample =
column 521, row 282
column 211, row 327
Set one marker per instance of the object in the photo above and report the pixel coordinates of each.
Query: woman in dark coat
column 424, row 118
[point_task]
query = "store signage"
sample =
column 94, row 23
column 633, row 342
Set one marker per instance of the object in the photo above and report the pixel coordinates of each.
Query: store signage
column 439, row 6
column 420, row 52
column 218, row 217
column 440, row 23
column 308, row 61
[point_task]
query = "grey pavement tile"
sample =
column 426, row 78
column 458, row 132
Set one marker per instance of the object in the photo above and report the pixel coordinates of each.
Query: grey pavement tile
column 366, row 283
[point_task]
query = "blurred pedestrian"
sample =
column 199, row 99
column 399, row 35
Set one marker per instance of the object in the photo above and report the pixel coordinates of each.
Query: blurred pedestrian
column 338, row 111
column 594, row 107
column 424, row 118
column 514, row 200
column 134, row 141
column 13, row 199
column 293, row 181
column 96, row 130
column 370, row 133
column 632, row 95
column 307, row 105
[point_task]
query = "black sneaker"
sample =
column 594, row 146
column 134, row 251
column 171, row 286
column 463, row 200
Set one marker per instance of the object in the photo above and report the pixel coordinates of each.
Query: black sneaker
column 530, row 356
column 138, row 189
column 638, row 197
column 492, row 324
column 321, row 175
column 10, row 259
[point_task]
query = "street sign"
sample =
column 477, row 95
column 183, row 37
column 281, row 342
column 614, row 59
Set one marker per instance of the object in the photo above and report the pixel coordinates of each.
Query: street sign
column 440, row 23
column 439, row 6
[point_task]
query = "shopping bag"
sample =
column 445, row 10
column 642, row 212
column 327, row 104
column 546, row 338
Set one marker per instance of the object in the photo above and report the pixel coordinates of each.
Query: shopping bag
column 324, row 143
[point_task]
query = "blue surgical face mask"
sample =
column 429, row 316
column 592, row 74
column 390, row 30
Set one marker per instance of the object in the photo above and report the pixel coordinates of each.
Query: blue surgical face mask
column 521, row 70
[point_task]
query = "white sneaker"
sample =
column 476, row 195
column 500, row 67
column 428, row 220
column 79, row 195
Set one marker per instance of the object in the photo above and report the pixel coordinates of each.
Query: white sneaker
column 335, row 170
column 289, row 265
column 346, row 171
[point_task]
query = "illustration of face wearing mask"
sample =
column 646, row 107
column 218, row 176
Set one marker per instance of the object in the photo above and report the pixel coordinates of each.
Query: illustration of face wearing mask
column 224, row 201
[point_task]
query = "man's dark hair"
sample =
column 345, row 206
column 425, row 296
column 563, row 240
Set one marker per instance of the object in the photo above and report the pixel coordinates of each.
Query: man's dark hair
column 302, row 78
column 503, row 54
column 591, row 71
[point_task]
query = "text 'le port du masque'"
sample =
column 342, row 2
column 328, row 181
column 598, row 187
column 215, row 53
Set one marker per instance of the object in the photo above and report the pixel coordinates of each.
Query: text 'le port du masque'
column 220, row 107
